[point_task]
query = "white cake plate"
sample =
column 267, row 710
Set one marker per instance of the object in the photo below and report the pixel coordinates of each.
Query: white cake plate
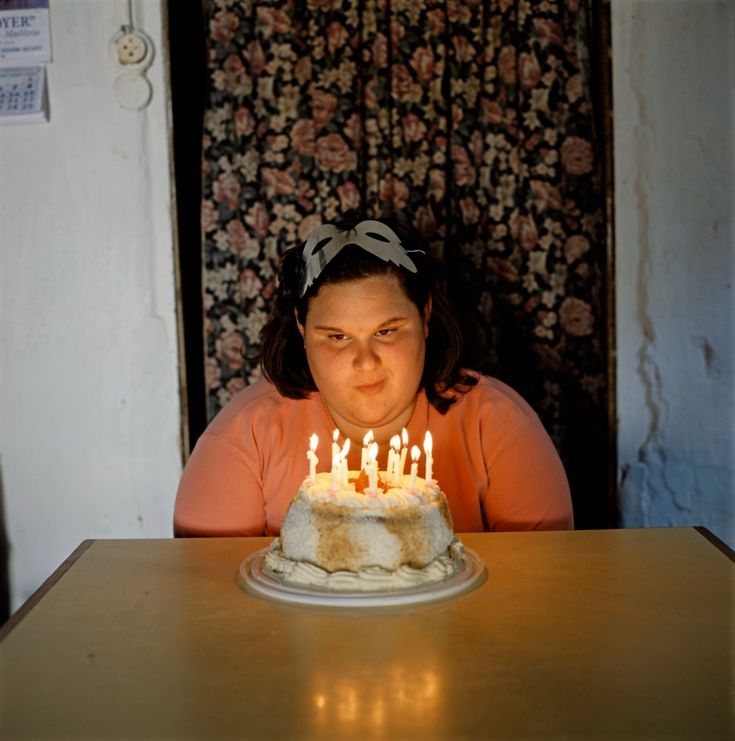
column 254, row 578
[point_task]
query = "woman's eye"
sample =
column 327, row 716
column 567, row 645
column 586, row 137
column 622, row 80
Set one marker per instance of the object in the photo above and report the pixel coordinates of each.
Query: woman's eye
column 337, row 337
column 385, row 332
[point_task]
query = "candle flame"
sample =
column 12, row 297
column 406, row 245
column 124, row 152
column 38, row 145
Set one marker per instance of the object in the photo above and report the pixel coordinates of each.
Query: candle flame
column 428, row 443
column 368, row 437
column 335, row 435
column 373, row 452
column 313, row 442
column 404, row 437
column 415, row 453
column 395, row 442
column 345, row 448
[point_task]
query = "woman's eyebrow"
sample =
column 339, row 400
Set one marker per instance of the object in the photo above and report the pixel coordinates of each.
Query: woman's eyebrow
column 393, row 320
column 328, row 328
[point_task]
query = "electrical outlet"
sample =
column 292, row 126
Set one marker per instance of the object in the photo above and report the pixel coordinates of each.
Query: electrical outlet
column 131, row 52
column 131, row 48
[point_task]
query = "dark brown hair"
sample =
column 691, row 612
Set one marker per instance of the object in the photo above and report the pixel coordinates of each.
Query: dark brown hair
column 283, row 359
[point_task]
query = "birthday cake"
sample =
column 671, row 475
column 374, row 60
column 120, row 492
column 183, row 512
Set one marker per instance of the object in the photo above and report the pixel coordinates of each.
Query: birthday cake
column 342, row 534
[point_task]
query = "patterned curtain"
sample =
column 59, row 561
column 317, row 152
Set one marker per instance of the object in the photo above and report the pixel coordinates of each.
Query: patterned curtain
column 472, row 118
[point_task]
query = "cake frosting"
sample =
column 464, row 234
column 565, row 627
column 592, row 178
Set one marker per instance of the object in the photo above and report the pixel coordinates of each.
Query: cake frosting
column 347, row 538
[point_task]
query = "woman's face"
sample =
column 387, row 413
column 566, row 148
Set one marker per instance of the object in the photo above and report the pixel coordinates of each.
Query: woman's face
column 365, row 344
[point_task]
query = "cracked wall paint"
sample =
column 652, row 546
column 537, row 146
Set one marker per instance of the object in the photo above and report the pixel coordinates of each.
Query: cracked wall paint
column 674, row 263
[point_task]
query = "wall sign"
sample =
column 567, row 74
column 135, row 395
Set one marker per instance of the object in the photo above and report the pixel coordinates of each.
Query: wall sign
column 24, row 33
column 25, row 47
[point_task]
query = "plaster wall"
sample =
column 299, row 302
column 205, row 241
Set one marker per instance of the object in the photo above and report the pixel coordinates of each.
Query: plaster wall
column 89, row 399
column 674, row 108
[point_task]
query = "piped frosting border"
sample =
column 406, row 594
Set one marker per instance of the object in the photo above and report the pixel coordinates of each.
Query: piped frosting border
column 373, row 578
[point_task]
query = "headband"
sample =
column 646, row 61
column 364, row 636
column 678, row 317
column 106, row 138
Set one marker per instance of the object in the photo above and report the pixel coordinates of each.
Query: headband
column 374, row 237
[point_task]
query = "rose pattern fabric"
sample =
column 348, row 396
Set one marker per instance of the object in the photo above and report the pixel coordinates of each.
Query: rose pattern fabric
column 473, row 118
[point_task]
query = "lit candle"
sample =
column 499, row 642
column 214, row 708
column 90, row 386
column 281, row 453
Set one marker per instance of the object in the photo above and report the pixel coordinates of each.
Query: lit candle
column 415, row 455
column 428, row 446
column 311, row 455
column 336, row 469
column 404, row 451
column 344, row 466
column 365, row 444
column 394, row 457
column 372, row 467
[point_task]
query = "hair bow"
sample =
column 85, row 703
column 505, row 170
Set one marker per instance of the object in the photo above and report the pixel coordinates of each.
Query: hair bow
column 374, row 237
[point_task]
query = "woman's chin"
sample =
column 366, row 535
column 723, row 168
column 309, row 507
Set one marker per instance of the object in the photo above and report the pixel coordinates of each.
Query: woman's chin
column 370, row 420
column 374, row 413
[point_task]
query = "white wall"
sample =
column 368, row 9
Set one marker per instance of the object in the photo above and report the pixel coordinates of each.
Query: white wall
column 89, row 397
column 674, row 103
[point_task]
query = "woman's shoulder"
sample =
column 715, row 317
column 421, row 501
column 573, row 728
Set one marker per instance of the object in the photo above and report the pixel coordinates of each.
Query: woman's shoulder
column 259, row 400
column 488, row 394
column 493, row 411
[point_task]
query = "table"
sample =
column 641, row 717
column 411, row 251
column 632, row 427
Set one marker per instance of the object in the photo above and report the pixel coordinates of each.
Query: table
column 588, row 634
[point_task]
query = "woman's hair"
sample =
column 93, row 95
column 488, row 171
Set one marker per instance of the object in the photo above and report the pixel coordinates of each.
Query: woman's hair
column 283, row 358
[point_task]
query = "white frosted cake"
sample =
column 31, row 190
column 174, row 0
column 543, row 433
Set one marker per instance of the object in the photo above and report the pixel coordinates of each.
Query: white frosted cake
column 345, row 538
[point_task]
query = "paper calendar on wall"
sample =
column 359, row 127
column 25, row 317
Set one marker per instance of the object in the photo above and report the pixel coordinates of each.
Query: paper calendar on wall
column 25, row 48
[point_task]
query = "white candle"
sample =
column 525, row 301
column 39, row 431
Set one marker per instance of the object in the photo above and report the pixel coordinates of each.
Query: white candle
column 428, row 446
column 365, row 444
column 415, row 455
column 336, row 464
column 311, row 455
column 404, row 451
column 372, row 467
column 335, row 472
column 394, row 457
column 345, row 467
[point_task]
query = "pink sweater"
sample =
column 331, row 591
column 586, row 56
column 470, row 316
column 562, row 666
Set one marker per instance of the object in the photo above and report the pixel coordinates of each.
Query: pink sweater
column 492, row 457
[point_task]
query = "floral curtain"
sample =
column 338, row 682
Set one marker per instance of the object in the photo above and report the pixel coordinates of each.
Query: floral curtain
column 475, row 120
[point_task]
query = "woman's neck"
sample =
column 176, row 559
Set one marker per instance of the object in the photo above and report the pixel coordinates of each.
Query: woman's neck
column 381, row 433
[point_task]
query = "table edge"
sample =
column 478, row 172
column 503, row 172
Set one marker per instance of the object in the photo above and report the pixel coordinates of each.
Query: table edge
column 38, row 595
column 716, row 542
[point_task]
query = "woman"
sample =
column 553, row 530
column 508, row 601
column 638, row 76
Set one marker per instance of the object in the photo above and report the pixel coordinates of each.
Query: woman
column 362, row 338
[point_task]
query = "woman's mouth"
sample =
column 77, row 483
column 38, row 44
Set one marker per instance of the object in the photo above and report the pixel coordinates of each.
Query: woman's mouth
column 370, row 388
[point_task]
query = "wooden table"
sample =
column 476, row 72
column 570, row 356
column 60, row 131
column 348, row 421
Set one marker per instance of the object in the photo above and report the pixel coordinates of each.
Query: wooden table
column 597, row 634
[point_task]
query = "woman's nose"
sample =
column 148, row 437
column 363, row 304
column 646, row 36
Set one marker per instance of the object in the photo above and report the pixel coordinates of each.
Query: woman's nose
column 365, row 357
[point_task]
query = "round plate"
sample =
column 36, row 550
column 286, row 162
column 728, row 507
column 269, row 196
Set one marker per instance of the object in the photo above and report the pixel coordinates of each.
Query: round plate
column 253, row 577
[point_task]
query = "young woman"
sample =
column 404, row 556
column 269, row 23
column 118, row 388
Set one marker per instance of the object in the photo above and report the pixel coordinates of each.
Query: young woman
column 362, row 338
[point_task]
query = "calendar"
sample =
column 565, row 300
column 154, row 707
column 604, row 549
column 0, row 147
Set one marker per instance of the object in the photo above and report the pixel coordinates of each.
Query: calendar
column 25, row 36
column 23, row 95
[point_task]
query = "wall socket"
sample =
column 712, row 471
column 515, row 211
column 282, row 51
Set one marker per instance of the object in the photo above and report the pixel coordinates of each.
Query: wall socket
column 131, row 52
column 131, row 49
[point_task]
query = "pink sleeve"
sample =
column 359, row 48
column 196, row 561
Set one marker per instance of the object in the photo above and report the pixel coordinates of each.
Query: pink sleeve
column 219, row 494
column 528, row 486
